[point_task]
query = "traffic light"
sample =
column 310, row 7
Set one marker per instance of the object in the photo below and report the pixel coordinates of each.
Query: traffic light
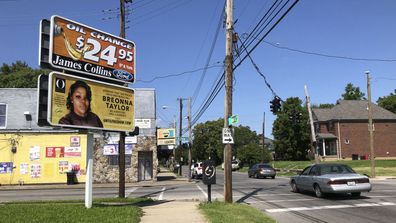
column 275, row 105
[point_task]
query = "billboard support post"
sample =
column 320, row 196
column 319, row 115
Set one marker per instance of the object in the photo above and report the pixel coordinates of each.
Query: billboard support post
column 88, row 180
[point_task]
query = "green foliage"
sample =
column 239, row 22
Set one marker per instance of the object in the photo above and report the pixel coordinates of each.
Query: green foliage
column 208, row 142
column 253, row 153
column 352, row 93
column 19, row 75
column 220, row 212
column 323, row 106
column 388, row 102
column 291, row 135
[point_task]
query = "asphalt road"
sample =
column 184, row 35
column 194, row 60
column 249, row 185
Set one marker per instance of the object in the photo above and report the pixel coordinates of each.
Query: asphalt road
column 271, row 196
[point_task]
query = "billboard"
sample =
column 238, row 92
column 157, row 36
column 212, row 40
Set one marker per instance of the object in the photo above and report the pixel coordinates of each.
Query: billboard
column 83, row 103
column 80, row 48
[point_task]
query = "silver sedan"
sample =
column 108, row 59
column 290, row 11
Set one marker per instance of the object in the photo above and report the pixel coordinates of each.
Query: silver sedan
column 330, row 178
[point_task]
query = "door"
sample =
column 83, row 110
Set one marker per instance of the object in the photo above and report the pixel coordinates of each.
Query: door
column 145, row 166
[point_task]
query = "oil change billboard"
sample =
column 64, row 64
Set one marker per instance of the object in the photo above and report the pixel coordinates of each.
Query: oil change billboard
column 83, row 103
column 80, row 48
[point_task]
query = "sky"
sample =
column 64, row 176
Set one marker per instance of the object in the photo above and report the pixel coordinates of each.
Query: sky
column 322, row 44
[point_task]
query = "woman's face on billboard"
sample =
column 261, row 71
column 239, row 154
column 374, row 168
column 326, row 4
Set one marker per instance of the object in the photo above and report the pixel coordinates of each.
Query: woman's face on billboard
column 80, row 101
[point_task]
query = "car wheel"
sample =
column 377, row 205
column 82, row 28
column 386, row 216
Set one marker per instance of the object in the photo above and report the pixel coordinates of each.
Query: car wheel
column 273, row 177
column 256, row 176
column 355, row 194
column 318, row 191
column 248, row 175
column 294, row 187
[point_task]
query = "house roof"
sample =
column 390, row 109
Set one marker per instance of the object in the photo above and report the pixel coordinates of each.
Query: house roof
column 351, row 110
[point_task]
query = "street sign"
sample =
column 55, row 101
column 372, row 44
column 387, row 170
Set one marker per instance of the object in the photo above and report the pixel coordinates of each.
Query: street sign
column 233, row 120
column 227, row 136
column 183, row 138
column 79, row 48
column 165, row 142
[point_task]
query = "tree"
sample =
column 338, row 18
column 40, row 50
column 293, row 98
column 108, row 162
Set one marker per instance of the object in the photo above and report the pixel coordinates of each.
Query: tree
column 19, row 75
column 352, row 93
column 291, row 131
column 208, row 142
column 323, row 106
column 388, row 102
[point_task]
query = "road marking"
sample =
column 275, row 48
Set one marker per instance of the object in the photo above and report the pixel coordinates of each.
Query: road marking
column 265, row 195
column 129, row 191
column 277, row 210
column 278, row 201
column 160, row 197
column 204, row 193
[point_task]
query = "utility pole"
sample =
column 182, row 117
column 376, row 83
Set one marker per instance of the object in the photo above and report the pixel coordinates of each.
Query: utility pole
column 189, row 139
column 313, row 137
column 263, row 137
column 121, row 143
column 180, row 134
column 371, row 129
column 228, row 100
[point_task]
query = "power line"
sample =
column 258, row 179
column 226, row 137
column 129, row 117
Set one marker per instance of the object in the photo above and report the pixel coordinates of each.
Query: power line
column 196, row 92
column 182, row 73
column 328, row 55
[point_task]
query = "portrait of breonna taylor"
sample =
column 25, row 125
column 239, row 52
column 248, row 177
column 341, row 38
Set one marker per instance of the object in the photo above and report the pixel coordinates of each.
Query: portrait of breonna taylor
column 79, row 105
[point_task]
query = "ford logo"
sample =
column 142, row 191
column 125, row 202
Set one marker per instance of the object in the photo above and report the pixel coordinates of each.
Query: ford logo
column 123, row 75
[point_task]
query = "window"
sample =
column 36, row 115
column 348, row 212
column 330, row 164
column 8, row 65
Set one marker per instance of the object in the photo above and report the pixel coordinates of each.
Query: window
column 3, row 115
column 113, row 160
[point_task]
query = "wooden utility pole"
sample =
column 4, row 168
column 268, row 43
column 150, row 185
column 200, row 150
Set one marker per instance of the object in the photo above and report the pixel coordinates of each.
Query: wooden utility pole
column 228, row 100
column 189, row 139
column 370, row 126
column 121, row 143
column 180, row 134
column 313, row 137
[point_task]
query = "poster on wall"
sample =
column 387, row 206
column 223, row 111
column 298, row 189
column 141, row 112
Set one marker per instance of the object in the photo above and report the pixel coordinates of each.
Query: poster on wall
column 74, row 141
column 24, row 168
column 34, row 153
column 72, row 151
column 35, row 170
column 63, row 166
column 112, row 149
column 54, row 152
column 5, row 167
column 128, row 149
column 109, row 150
column 75, row 167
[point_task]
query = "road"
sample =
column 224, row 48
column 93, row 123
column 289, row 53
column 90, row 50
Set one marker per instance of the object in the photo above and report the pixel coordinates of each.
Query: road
column 271, row 196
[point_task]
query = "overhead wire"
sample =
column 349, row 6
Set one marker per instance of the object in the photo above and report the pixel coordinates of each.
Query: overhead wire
column 180, row 74
column 198, row 88
column 220, row 83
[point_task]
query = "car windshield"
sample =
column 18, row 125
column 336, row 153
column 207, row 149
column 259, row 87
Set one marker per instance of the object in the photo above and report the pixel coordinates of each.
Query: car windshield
column 335, row 169
column 265, row 166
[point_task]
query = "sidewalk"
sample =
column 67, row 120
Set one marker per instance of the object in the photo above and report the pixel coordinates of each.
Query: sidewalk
column 172, row 210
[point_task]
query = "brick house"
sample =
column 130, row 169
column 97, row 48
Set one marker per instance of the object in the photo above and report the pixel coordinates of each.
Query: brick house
column 342, row 131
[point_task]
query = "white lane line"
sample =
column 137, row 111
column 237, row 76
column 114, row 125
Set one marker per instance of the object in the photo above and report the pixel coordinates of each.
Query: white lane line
column 161, row 196
column 266, row 195
column 129, row 191
column 278, row 210
column 278, row 201
column 204, row 193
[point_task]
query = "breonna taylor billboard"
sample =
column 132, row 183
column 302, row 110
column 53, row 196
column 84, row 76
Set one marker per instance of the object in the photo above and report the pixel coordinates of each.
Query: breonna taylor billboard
column 83, row 103
column 80, row 48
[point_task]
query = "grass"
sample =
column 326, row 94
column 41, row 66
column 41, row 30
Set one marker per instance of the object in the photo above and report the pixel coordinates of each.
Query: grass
column 103, row 210
column 220, row 212
column 382, row 167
